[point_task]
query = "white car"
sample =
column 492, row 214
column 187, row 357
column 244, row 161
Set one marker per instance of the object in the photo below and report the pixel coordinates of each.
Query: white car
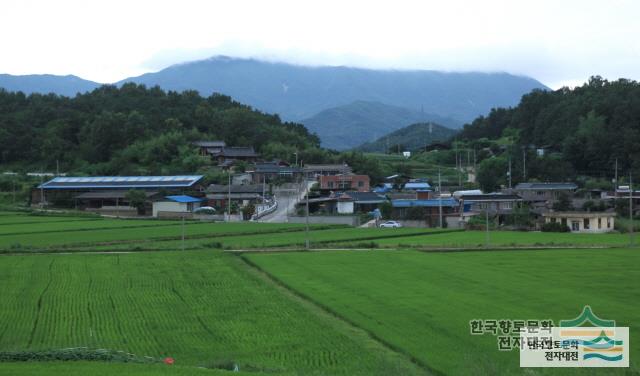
column 391, row 224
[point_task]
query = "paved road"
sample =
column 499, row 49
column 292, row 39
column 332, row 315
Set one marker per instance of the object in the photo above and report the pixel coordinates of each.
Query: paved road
column 287, row 200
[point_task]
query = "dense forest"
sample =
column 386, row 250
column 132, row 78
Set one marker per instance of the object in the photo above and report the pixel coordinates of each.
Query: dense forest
column 135, row 130
column 581, row 132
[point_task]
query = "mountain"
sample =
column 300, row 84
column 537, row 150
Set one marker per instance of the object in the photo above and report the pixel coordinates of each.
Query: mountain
column 348, row 126
column 412, row 137
column 47, row 83
column 298, row 92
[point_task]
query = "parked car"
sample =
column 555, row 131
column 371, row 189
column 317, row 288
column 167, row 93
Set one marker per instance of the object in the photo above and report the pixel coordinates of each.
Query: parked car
column 205, row 210
column 391, row 224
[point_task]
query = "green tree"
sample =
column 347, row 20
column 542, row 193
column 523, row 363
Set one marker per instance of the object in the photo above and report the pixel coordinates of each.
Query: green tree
column 492, row 174
column 137, row 199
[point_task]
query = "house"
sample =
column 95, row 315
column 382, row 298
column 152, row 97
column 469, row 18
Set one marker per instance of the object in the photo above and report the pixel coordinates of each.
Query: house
column 348, row 202
column 108, row 193
column 346, row 182
column 209, row 148
column 583, row 222
column 424, row 210
column 176, row 206
column 495, row 203
column 226, row 156
column 543, row 192
column 241, row 195
column 271, row 171
column 416, row 185
column 313, row 171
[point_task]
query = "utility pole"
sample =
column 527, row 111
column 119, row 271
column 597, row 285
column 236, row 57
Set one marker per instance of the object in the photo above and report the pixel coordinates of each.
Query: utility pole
column 439, row 198
column 183, row 233
column 615, row 185
column 524, row 164
column 474, row 160
column 41, row 192
column 630, row 211
column 229, row 199
column 306, row 231
column 486, row 227
column 460, row 172
column 509, row 173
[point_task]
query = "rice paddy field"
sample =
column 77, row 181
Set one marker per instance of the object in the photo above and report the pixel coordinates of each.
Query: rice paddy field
column 421, row 303
column 89, row 285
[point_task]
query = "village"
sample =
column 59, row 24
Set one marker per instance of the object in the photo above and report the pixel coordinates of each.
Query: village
column 281, row 192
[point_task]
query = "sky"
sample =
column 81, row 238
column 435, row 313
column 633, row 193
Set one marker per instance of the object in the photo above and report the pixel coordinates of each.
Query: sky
column 559, row 43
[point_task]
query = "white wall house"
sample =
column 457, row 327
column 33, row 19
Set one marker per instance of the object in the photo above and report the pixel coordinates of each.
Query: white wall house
column 176, row 204
column 583, row 222
column 345, row 207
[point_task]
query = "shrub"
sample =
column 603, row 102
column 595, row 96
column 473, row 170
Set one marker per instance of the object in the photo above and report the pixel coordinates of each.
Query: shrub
column 555, row 227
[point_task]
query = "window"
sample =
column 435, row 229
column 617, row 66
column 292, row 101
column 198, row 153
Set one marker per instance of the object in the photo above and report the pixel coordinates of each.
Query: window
column 599, row 222
column 586, row 223
column 575, row 226
column 507, row 205
column 553, row 220
column 540, row 193
column 608, row 222
column 330, row 184
column 360, row 184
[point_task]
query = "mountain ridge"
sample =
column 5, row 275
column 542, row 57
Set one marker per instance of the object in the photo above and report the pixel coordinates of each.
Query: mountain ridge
column 411, row 137
column 348, row 126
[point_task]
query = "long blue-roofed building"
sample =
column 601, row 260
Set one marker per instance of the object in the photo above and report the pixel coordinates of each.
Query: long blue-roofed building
column 109, row 193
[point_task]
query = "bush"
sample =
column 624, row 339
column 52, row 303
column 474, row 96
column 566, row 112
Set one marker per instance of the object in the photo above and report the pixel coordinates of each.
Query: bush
column 555, row 227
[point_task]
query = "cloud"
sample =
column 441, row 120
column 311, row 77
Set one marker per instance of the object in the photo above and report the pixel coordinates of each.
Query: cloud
column 555, row 42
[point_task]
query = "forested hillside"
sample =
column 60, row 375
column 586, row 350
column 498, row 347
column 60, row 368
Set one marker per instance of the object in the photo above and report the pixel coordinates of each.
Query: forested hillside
column 412, row 137
column 135, row 130
column 582, row 131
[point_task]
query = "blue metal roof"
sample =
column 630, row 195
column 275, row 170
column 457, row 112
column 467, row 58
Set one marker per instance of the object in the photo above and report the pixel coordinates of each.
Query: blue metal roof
column 184, row 199
column 449, row 202
column 417, row 185
column 124, row 182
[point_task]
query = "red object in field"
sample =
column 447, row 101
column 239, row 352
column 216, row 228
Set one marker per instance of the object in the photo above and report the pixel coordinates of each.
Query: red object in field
column 168, row 361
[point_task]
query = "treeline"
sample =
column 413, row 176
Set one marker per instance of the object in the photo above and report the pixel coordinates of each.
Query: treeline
column 135, row 130
column 582, row 131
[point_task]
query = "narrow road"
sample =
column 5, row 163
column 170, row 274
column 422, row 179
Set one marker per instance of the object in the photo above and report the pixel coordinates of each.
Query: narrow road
column 287, row 200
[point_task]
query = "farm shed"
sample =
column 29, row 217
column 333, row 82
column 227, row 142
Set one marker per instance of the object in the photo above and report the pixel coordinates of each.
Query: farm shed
column 171, row 206
column 102, row 192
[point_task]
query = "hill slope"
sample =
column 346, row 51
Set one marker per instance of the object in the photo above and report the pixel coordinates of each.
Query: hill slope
column 413, row 137
column 587, row 129
column 348, row 126
column 47, row 83
column 299, row 92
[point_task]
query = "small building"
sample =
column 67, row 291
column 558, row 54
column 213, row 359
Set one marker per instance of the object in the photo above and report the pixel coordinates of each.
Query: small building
column 424, row 210
column 209, row 148
column 543, row 192
column 416, row 185
column 313, row 171
column 348, row 202
column 227, row 155
column 347, row 182
column 583, row 222
column 272, row 171
column 176, row 206
column 242, row 195
column 495, row 203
